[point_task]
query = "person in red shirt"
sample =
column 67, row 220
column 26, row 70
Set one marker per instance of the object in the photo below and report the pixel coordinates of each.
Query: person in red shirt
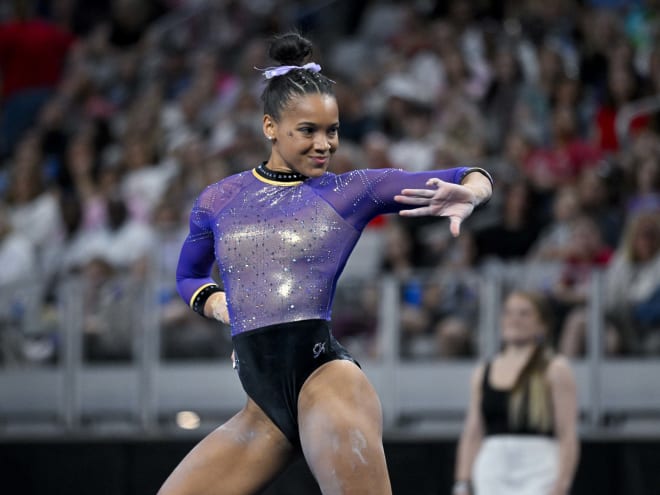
column 622, row 89
column 32, row 55
column 569, row 155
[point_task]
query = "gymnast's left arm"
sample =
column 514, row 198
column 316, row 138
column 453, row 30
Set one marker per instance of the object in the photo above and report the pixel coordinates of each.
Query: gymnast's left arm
column 565, row 413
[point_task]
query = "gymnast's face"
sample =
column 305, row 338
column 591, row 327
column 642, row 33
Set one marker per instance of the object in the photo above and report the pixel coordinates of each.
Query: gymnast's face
column 305, row 136
column 521, row 321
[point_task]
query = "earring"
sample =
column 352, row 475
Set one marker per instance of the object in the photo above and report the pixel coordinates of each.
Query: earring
column 271, row 138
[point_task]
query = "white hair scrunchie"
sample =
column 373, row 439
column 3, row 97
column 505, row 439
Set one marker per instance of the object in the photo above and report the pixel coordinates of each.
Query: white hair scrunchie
column 270, row 72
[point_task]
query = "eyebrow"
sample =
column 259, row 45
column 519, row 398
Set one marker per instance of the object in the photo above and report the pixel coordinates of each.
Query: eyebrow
column 316, row 124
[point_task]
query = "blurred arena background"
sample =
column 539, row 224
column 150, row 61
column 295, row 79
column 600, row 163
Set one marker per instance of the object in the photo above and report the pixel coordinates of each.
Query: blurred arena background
column 116, row 113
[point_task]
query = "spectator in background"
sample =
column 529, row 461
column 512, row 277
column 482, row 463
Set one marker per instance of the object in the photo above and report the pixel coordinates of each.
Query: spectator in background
column 595, row 192
column 144, row 179
column 398, row 253
column 598, row 29
column 128, row 242
column 453, row 338
column 130, row 19
column 644, row 191
column 513, row 235
column 554, row 241
column 509, row 165
column 586, row 252
column 33, row 52
column 622, row 88
column 632, row 289
column 53, row 126
column 652, row 86
column 421, row 307
column 376, row 150
column 17, row 253
column 33, row 204
column 462, row 127
column 534, row 108
column 569, row 93
column 121, row 242
column 196, row 166
column 113, row 299
column 19, row 293
column 356, row 123
column 630, row 284
column 520, row 433
column 416, row 149
column 436, row 317
column 560, row 163
column 501, row 97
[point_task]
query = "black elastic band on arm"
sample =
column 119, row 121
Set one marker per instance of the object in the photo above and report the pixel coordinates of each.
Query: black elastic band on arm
column 202, row 296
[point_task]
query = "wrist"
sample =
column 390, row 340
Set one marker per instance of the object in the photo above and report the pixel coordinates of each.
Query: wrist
column 481, row 192
column 461, row 487
column 217, row 304
column 480, row 182
column 200, row 299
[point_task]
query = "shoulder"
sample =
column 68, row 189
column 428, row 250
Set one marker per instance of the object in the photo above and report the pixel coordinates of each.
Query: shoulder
column 223, row 190
column 560, row 370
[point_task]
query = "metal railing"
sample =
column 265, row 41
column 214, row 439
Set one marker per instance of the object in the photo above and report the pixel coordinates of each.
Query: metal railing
column 140, row 392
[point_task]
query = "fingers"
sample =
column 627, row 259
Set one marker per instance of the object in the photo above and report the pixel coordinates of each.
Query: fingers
column 454, row 221
column 422, row 193
column 411, row 200
column 416, row 196
column 455, row 226
column 416, row 212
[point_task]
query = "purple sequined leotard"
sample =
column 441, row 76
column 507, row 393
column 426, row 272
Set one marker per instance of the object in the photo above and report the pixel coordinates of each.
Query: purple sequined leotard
column 281, row 246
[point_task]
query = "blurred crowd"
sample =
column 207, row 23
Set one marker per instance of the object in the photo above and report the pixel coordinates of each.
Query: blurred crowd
column 115, row 114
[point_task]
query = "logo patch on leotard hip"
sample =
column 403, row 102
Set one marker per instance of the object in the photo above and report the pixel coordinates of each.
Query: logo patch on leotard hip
column 319, row 348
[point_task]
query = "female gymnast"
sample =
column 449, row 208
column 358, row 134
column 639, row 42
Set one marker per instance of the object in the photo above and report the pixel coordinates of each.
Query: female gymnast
column 520, row 434
column 281, row 234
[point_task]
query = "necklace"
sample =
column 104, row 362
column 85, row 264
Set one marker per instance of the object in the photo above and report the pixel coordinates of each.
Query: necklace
column 267, row 173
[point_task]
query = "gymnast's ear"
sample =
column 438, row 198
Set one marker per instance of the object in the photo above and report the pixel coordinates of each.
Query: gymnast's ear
column 269, row 127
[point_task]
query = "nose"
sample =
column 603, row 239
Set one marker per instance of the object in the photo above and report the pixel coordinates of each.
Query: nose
column 322, row 143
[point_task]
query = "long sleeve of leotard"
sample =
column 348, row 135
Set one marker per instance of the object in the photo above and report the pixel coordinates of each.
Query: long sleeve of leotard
column 361, row 195
column 197, row 254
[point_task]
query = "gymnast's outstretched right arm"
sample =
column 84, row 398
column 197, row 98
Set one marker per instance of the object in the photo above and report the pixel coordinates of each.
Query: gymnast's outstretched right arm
column 193, row 275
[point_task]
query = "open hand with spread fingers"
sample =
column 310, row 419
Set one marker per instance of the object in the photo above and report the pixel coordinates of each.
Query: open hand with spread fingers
column 443, row 199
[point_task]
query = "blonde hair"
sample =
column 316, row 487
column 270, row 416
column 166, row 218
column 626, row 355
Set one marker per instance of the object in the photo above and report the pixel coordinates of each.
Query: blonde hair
column 530, row 400
column 637, row 223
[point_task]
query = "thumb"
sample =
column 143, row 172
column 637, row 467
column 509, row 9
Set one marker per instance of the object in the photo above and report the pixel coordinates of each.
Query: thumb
column 455, row 226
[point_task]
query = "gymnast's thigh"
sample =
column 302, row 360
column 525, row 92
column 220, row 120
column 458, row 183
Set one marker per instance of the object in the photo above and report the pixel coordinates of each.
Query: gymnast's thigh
column 239, row 458
column 340, row 424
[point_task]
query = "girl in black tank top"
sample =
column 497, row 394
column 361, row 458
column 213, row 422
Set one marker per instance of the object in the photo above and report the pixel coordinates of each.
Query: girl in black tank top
column 520, row 439
column 495, row 411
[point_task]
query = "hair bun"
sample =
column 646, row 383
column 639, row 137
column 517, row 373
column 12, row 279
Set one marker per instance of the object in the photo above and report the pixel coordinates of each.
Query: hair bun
column 290, row 49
